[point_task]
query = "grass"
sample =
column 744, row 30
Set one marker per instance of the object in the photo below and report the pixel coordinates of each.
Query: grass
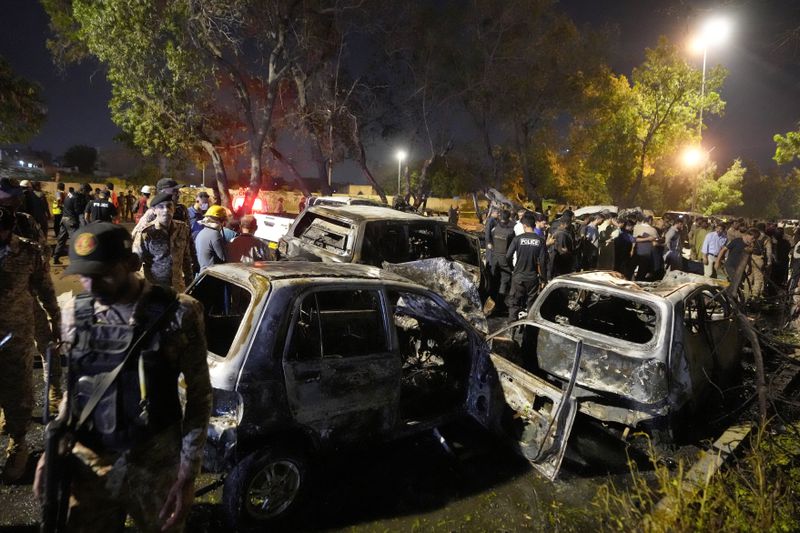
column 760, row 492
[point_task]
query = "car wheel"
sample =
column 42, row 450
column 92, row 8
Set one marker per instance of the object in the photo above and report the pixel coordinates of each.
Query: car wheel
column 265, row 488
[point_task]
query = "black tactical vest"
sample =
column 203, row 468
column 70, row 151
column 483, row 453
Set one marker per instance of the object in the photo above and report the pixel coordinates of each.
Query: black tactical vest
column 502, row 237
column 143, row 399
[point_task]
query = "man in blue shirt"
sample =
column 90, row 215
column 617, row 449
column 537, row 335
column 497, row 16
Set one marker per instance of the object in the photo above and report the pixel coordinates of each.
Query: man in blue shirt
column 712, row 246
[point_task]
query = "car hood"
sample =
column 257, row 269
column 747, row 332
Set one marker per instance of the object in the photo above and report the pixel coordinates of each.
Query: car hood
column 449, row 279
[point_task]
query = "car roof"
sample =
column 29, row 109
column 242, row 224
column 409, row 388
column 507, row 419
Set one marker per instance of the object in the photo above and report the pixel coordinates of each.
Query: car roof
column 281, row 270
column 675, row 285
column 361, row 213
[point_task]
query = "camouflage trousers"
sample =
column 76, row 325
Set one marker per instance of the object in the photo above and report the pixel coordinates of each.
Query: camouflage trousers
column 106, row 490
column 43, row 335
column 16, row 388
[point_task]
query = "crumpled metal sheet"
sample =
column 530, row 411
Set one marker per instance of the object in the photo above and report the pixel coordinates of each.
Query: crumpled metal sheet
column 451, row 280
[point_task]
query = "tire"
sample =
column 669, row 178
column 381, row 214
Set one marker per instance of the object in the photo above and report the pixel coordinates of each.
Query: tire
column 265, row 488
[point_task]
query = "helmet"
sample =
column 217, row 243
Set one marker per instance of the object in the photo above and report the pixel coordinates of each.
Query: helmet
column 217, row 211
column 146, row 189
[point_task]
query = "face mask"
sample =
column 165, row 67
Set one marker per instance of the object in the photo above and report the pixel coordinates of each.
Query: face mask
column 204, row 206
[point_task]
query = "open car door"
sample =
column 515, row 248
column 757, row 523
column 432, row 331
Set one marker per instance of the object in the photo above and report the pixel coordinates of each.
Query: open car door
column 532, row 414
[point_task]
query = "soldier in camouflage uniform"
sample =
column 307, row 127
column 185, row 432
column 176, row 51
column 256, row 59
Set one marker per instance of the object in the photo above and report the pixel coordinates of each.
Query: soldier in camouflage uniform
column 172, row 188
column 23, row 278
column 164, row 245
column 26, row 227
column 139, row 452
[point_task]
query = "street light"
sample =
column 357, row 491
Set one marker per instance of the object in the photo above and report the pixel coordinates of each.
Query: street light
column 714, row 32
column 694, row 157
column 401, row 156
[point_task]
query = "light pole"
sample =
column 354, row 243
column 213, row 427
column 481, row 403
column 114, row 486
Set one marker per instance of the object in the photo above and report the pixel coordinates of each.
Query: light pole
column 401, row 156
column 714, row 32
column 694, row 157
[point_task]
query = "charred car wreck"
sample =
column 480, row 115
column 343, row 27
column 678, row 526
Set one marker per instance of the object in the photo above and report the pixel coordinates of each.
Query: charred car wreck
column 308, row 356
column 653, row 353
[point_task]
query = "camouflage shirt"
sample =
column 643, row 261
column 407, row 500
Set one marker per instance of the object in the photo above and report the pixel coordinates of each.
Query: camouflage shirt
column 26, row 226
column 181, row 214
column 165, row 254
column 183, row 342
column 24, row 276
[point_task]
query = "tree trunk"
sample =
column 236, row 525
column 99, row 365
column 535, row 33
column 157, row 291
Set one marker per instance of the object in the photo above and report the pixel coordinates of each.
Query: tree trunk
column 477, row 207
column 298, row 179
column 322, row 164
column 220, row 186
column 362, row 162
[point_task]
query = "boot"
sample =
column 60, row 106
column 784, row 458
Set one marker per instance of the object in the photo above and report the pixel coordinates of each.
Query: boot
column 17, row 461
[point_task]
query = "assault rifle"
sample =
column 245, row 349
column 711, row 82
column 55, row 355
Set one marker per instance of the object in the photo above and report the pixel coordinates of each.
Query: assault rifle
column 58, row 454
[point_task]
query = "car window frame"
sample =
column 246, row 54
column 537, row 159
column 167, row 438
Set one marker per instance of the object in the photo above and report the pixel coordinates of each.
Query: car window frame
column 302, row 295
column 613, row 343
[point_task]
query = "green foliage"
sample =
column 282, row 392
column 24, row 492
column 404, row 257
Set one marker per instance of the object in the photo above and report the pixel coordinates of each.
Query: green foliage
column 759, row 493
column 22, row 110
column 787, row 147
column 81, row 156
column 720, row 195
column 629, row 128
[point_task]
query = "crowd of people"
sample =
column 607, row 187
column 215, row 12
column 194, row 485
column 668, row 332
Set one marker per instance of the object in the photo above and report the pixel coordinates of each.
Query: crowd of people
column 637, row 246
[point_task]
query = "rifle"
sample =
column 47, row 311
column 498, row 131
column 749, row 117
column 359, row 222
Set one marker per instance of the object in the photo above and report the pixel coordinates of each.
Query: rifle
column 59, row 439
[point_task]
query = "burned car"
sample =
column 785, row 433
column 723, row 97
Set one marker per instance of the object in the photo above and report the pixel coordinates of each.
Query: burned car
column 307, row 357
column 373, row 235
column 653, row 353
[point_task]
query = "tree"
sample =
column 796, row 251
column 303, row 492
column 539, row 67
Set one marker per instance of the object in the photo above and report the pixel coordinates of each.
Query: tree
column 720, row 195
column 187, row 74
column 81, row 156
column 631, row 127
column 22, row 111
column 787, row 147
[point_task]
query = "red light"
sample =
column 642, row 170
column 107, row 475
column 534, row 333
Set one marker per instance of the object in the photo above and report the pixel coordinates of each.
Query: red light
column 258, row 204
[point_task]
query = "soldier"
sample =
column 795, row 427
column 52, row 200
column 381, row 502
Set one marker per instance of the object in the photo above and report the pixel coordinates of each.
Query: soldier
column 164, row 245
column 23, row 277
column 44, row 326
column 169, row 186
column 138, row 452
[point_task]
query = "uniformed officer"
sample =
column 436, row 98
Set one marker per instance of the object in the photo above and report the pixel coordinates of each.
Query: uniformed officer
column 23, row 278
column 530, row 267
column 499, row 267
column 72, row 218
column 138, row 452
column 164, row 245
column 44, row 324
column 101, row 208
column 171, row 187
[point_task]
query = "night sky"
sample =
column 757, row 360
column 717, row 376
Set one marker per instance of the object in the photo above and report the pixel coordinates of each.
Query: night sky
column 761, row 90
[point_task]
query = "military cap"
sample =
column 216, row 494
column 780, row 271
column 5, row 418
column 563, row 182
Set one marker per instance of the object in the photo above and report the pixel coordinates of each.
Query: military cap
column 97, row 247
column 163, row 196
column 166, row 184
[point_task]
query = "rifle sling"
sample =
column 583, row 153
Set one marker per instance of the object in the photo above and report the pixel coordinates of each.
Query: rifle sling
column 108, row 379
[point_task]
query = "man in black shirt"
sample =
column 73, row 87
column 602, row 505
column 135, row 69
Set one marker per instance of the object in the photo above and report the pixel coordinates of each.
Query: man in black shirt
column 101, row 208
column 499, row 267
column 531, row 261
column 71, row 220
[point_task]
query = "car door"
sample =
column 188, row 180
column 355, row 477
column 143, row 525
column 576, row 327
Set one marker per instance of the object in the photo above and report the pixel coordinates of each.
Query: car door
column 342, row 379
column 533, row 415
column 722, row 330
